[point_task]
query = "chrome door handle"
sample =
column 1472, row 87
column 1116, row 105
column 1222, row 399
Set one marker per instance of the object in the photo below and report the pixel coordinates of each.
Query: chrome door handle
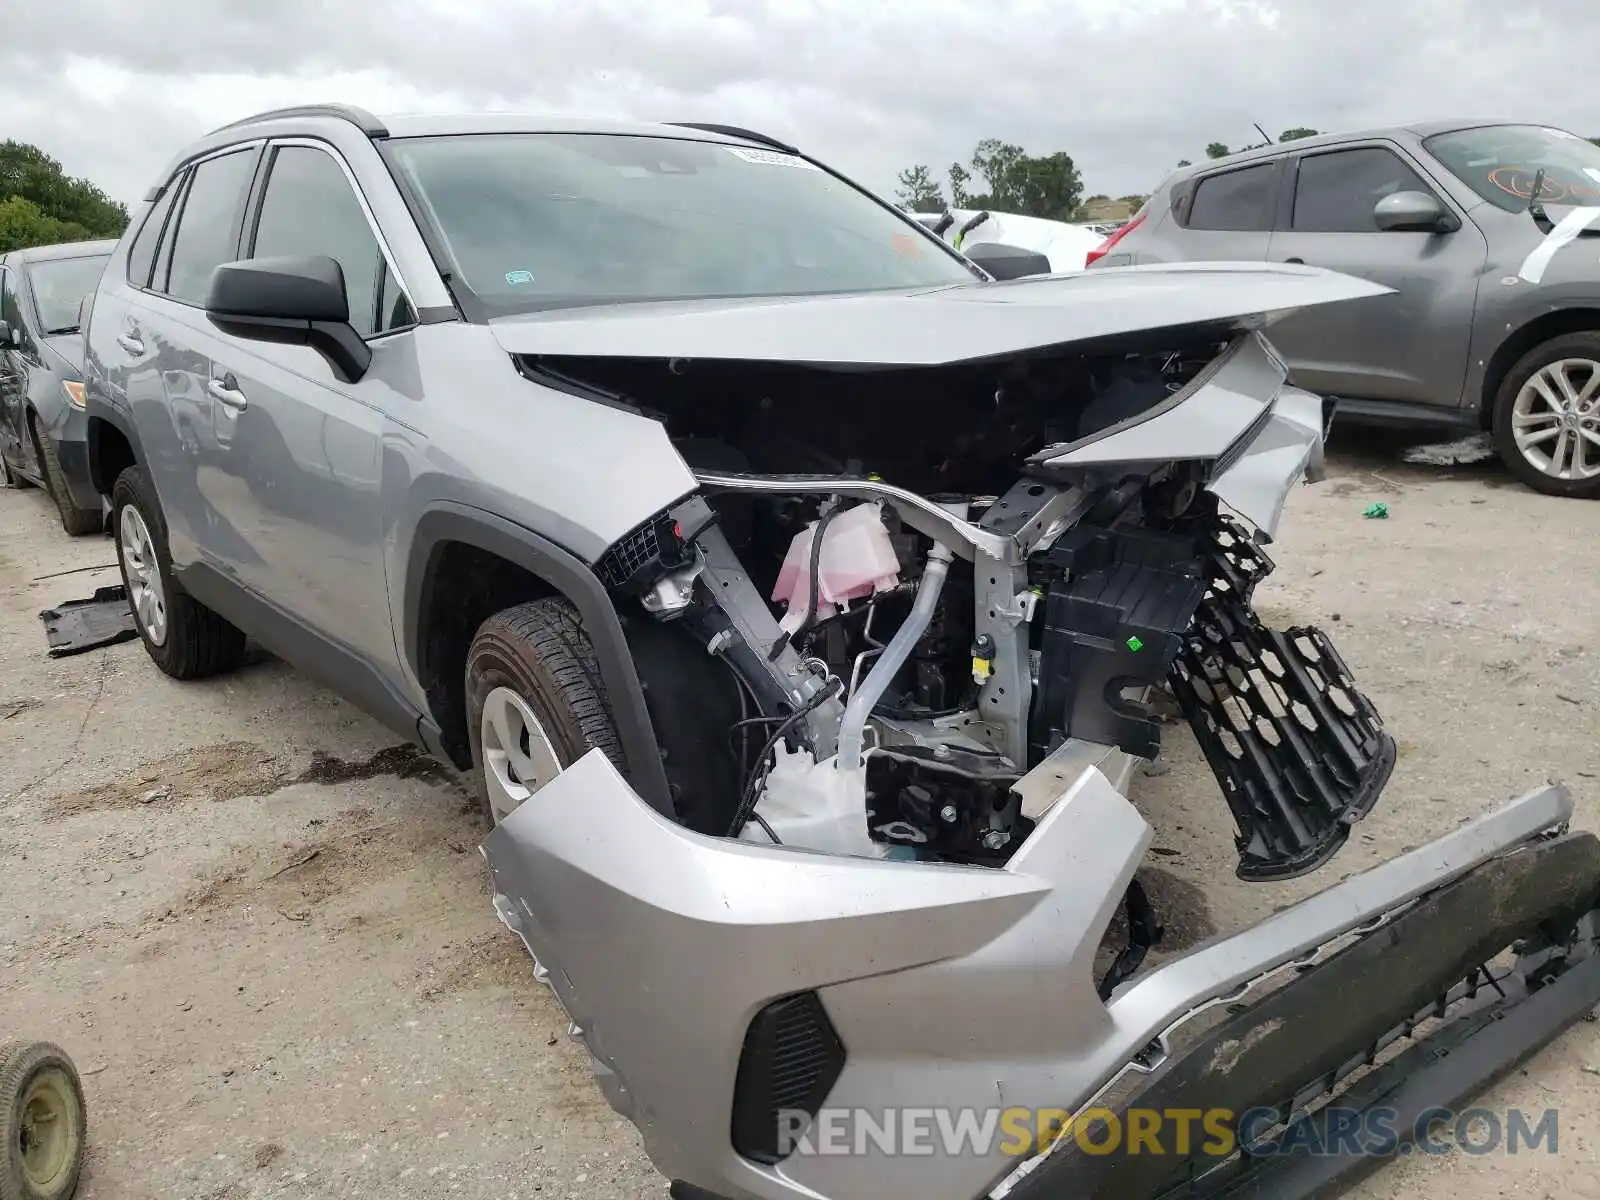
column 130, row 343
column 226, row 391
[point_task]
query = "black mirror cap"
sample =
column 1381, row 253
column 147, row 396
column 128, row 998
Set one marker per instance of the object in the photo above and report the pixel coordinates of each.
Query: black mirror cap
column 301, row 287
column 1005, row 261
column 1413, row 212
column 295, row 300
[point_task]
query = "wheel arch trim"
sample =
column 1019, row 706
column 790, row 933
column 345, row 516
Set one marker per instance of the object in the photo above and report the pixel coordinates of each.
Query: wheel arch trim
column 448, row 521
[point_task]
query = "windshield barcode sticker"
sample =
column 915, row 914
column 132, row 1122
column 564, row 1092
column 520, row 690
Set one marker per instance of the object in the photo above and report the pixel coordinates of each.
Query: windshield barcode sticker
column 770, row 158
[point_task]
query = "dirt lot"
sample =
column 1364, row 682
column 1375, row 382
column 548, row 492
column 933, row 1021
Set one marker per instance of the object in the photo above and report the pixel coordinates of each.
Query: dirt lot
column 263, row 930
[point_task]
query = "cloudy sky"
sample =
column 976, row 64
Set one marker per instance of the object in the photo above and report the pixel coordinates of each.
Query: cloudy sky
column 113, row 87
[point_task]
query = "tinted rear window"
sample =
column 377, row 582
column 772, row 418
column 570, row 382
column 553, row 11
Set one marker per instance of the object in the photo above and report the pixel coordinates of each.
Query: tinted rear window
column 1235, row 200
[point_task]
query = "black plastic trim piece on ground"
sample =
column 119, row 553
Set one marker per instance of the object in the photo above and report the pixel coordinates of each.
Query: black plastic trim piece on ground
column 1299, row 752
column 1333, row 1013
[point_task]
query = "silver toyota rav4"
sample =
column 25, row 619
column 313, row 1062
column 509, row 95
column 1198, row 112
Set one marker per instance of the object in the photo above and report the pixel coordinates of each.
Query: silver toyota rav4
column 802, row 598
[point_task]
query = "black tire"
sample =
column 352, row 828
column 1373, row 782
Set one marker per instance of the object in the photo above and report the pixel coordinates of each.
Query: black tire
column 198, row 643
column 541, row 651
column 39, row 1079
column 76, row 521
column 1571, row 345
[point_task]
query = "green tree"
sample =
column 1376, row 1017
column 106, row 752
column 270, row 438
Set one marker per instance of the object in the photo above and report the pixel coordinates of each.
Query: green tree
column 54, row 207
column 919, row 190
column 23, row 223
column 1295, row 134
column 1134, row 202
column 960, row 191
column 1218, row 150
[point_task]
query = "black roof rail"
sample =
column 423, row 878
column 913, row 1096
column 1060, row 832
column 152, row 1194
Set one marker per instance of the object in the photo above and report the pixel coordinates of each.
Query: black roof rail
column 748, row 135
column 359, row 117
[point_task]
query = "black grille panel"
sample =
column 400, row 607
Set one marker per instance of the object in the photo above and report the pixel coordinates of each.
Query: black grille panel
column 792, row 1058
column 631, row 556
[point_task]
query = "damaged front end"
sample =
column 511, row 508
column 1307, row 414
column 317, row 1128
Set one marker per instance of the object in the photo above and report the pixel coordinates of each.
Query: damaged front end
column 903, row 648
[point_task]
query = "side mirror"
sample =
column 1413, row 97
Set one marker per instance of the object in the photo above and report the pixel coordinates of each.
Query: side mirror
column 295, row 300
column 6, row 340
column 1008, row 262
column 1413, row 212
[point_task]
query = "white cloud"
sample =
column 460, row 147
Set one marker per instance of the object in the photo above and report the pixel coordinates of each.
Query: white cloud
column 114, row 88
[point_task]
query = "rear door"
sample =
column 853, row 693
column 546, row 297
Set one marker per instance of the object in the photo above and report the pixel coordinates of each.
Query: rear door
column 1408, row 347
column 1223, row 216
column 165, row 343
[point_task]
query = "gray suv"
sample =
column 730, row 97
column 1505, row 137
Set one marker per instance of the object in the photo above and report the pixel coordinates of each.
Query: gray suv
column 1485, row 233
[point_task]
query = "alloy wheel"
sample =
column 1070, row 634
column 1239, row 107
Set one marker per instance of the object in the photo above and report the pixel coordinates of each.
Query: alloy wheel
column 1555, row 419
column 518, row 758
column 145, row 593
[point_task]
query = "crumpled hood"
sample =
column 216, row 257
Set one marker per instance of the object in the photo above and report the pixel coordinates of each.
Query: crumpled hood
column 939, row 325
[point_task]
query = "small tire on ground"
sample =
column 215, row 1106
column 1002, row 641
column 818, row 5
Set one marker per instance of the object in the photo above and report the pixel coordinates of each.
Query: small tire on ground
column 199, row 643
column 38, row 1080
column 541, row 651
column 1584, row 344
column 76, row 521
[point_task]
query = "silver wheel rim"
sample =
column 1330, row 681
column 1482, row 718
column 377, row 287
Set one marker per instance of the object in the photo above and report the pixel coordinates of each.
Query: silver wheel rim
column 145, row 593
column 1556, row 419
column 518, row 758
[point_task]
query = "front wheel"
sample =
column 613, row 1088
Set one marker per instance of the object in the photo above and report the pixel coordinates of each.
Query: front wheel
column 535, row 702
column 1547, row 417
column 76, row 521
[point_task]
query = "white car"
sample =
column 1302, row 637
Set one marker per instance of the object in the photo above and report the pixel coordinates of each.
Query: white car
column 1066, row 246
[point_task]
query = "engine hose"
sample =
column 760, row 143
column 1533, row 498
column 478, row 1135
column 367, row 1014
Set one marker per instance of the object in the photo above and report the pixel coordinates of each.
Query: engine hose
column 814, row 588
column 852, row 729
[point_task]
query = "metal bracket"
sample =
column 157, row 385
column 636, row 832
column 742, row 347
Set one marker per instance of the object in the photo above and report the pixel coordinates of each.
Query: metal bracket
column 731, row 590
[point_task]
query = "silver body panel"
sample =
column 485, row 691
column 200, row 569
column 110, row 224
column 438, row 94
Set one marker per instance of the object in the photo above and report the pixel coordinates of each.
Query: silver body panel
column 933, row 326
column 589, row 877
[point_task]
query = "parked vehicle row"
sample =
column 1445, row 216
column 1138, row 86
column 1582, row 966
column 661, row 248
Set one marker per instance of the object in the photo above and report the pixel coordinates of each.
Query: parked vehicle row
column 1489, row 236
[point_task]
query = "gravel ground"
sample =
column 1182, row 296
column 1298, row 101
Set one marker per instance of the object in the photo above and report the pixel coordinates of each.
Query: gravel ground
column 263, row 931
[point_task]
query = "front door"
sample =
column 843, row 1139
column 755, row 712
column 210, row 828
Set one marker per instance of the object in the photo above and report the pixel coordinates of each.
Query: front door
column 299, row 466
column 1410, row 346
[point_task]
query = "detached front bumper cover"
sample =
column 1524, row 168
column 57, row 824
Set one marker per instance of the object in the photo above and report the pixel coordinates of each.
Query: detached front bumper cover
column 948, row 987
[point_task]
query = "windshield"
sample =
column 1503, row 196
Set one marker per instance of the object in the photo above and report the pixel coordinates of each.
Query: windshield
column 548, row 220
column 1500, row 162
column 59, row 286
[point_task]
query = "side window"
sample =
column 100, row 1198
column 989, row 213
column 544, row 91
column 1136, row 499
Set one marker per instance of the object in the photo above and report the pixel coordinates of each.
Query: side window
column 163, row 271
column 11, row 304
column 142, row 254
column 1235, row 201
column 305, row 180
column 208, row 224
column 1337, row 192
